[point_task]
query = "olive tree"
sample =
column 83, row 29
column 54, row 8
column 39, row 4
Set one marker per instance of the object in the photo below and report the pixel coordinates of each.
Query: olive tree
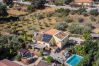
column 38, row 3
column 79, row 29
column 94, row 12
column 3, row 10
column 9, row 46
column 61, row 26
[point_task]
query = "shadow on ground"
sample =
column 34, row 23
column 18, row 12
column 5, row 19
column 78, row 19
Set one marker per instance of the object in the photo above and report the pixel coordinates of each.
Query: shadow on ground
column 8, row 19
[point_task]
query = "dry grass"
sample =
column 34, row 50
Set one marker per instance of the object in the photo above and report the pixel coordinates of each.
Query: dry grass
column 31, row 23
column 14, row 12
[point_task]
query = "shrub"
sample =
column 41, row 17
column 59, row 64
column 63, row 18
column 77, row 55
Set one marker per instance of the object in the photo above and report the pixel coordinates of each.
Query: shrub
column 73, row 12
column 3, row 10
column 94, row 12
column 63, row 11
column 68, row 1
column 79, row 29
column 61, row 26
column 18, row 57
column 30, row 8
column 81, row 10
column 60, row 10
column 59, row 2
column 80, row 20
column 68, row 20
column 92, row 18
column 38, row 3
column 47, row 24
column 49, row 59
column 39, row 15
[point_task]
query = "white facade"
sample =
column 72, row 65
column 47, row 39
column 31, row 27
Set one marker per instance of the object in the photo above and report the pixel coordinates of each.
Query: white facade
column 1, row 0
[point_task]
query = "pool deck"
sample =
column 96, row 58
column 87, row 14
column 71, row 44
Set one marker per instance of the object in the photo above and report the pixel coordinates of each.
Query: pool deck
column 70, row 58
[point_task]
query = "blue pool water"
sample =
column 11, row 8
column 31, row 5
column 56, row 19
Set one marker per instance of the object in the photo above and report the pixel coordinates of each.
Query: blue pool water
column 74, row 60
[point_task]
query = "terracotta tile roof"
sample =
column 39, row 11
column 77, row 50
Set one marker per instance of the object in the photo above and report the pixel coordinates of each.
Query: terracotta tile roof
column 6, row 62
column 43, row 63
column 83, row 1
column 2, row 64
column 52, row 31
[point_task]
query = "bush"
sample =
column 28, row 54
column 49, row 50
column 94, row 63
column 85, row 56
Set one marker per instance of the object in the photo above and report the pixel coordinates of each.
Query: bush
column 49, row 59
column 61, row 26
column 68, row 1
column 73, row 12
column 38, row 3
column 39, row 16
column 63, row 11
column 3, row 10
column 92, row 18
column 18, row 57
column 59, row 2
column 79, row 29
column 47, row 24
column 81, row 10
column 94, row 12
column 30, row 8
column 60, row 10
column 68, row 20
column 80, row 20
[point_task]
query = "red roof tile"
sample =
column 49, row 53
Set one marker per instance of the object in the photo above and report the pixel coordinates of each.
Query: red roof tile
column 83, row 1
column 52, row 31
column 6, row 62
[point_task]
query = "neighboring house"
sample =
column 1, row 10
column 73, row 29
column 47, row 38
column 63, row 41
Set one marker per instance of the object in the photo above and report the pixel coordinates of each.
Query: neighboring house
column 83, row 2
column 27, row 56
column 52, row 37
column 43, row 63
column 6, row 62
column 25, row 53
column 22, row 2
column 3, row 1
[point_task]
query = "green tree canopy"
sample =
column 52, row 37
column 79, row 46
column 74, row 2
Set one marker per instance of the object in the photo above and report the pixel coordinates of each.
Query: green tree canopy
column 61, row 26
column 9, row 46
column 49, row 59
column 94, row 12
column 38, row 3
column 77, row 28
column 68, row 1
column 3, row 10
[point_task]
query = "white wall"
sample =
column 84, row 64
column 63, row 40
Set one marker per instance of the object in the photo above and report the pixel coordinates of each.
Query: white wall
column 1, row 0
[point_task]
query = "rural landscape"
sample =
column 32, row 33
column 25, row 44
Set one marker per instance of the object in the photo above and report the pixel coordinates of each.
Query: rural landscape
column 49, row 32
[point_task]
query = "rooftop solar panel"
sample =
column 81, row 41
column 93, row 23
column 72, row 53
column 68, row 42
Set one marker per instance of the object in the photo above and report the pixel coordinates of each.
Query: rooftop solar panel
column 46, row 37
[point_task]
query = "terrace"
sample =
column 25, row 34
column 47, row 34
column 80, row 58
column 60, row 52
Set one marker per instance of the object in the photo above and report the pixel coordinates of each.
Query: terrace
column 61, row 35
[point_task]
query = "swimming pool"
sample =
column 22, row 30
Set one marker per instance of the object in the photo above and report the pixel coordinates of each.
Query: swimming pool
column 74, row 60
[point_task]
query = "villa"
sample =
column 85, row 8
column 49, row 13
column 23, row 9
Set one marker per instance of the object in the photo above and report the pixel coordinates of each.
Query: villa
column 83, row 2
column 52, row 37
